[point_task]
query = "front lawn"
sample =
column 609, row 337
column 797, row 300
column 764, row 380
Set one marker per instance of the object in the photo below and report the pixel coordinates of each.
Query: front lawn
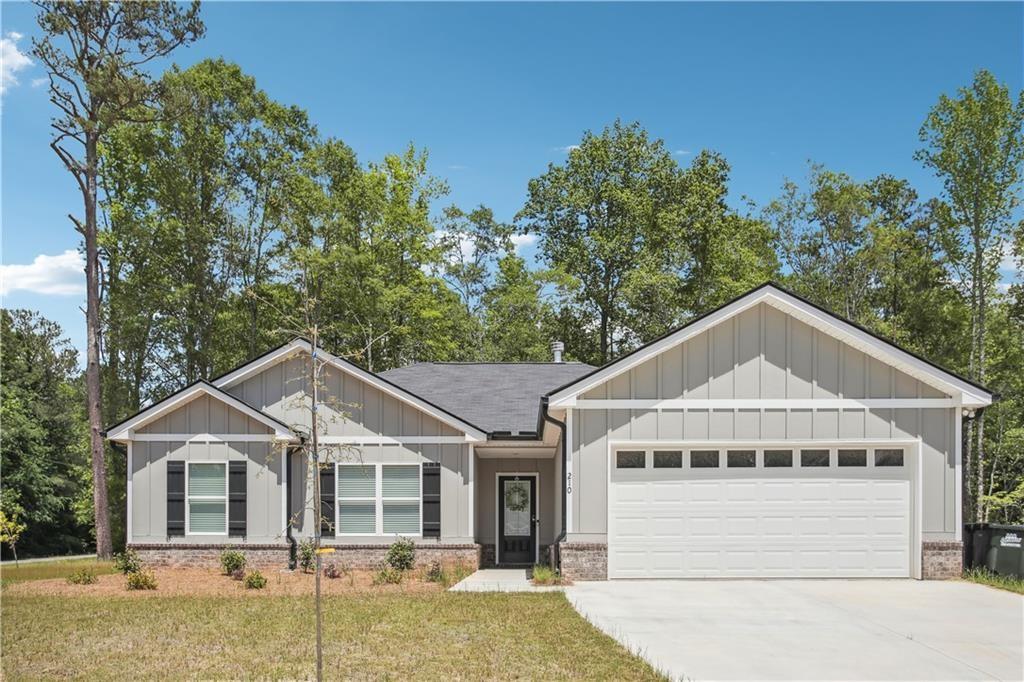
column 44, row 570
column 396, row 632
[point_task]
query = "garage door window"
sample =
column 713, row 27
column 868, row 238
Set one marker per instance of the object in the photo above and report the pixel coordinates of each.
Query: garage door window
column 778, row 458
column 741, row 459
column 668, row 459
column 704, row 459
column 814, row 458
column 630, row 459
column 853, row 458
column 891, row 457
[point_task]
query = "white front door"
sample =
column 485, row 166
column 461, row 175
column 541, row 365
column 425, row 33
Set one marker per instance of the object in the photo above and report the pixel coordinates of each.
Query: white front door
column 780, row 511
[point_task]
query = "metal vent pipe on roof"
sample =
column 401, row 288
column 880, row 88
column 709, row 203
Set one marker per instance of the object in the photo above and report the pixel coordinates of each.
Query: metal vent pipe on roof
column 557, row 347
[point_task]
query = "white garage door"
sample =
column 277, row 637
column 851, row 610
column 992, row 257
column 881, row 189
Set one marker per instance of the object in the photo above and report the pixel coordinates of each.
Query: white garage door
column 766, row 512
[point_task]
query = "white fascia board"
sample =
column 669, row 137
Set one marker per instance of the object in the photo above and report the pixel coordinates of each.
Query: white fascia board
column 472, row 434
column 970, row 395
column 766, row 404
column 126, row 430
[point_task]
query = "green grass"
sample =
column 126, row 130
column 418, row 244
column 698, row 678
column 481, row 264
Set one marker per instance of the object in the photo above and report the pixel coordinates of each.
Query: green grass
column 44, row 570
column 545, row 575
column 438, row 635
column 983, row 576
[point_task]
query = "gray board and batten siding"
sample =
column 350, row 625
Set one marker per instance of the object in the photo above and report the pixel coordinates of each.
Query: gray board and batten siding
column 759, row 353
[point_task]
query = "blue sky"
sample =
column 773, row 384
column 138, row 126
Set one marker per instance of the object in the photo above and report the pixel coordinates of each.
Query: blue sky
column 495, row 92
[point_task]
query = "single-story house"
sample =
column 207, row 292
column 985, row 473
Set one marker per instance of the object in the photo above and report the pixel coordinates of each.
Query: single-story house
column 767, row 438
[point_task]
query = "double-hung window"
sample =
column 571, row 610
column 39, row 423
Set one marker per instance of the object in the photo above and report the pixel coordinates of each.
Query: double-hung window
column 207, row 495
column 379, row 499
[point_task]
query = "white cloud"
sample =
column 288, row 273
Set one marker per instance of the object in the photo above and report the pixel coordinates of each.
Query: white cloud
column 457, row 167
column 1008, row 262
column 466, row 244
column 12, row 60
column 60, row 275
column 682, row 152
column 522, row 240
column 567, row 148
column 39, row 82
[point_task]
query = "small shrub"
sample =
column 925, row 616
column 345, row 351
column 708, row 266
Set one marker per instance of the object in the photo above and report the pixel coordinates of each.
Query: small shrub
column 127, row 562
column 545, row 575
column 435, row 572
column 387, row 575
column 333, row 570
column 141, row 580
column 255, row 581
column 82, row 576
column 232, row 560
column 401, row 554
column 307, row 555
column 238, row 573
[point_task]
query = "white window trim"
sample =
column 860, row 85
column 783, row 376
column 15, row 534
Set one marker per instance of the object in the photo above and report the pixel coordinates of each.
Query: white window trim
column 759, row 449
column 205, row 498
column 378, row 500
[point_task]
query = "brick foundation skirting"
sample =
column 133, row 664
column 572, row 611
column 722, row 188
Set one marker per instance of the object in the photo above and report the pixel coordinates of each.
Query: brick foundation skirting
column 276, row 556
column 584, row 560
column 942, row 560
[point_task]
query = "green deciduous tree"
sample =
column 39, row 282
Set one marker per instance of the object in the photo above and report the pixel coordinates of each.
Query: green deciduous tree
column 974, row 142
column 95, row 54
column 44, row 444
column 605, row 216
column 517, row 320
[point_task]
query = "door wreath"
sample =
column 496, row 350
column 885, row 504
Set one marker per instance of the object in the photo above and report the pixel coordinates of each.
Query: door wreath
column 517, row 497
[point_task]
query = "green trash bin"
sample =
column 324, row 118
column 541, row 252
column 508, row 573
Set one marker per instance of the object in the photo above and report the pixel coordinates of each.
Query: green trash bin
column 998, row 548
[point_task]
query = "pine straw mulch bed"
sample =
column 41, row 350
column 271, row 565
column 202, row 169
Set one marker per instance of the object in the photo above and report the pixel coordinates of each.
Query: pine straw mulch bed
column 177, row 582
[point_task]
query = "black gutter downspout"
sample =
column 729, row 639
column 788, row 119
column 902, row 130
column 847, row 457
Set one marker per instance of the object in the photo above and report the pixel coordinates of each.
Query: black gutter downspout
column 293, row 551
column 556, row 556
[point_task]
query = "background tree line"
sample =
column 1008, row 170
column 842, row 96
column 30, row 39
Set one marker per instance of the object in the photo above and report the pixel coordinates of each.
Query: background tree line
column 211, row 195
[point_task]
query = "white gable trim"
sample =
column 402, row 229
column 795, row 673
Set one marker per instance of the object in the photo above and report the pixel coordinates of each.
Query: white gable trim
column 971, row 396
column 296, row 346
column 125, row 431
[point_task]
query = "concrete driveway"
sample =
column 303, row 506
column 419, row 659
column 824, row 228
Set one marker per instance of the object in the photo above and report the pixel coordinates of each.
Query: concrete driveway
column 813, row 629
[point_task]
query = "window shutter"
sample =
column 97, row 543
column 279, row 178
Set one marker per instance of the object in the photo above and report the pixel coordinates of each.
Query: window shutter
column 175, row 499
column 431, row 500
column 237, row 474
column 327, row 500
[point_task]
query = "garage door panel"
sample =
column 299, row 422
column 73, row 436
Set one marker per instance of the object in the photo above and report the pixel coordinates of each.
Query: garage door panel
column 802, row 524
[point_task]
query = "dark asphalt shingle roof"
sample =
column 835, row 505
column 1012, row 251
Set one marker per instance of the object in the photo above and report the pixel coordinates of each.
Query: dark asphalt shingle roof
column 494, row 396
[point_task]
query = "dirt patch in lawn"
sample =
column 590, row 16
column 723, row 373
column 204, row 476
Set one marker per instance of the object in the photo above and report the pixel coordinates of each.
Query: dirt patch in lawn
column 177, row 582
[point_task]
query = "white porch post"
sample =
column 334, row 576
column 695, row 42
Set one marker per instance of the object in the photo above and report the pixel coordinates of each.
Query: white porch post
column 471, row 474
column 128, row 499
column 958, row 472
column 568, row 471
column 284, row 488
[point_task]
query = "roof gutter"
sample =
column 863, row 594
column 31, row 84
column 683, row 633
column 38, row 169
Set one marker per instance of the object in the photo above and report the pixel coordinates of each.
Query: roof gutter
column 556, row 557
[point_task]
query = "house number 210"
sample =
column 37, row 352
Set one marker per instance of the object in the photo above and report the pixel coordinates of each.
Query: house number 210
column 568, row 483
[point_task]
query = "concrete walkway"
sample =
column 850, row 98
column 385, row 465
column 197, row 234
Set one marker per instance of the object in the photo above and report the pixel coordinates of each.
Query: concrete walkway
column 500, row 580
column 812, row 629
